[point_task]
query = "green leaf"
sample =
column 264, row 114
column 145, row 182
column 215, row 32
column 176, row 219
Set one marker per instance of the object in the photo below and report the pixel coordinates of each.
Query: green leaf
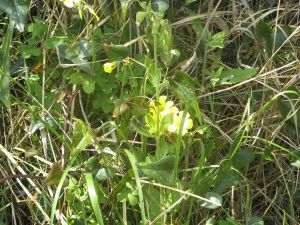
column 161, row 170
column 53, row 42
column 76, row 56
column 77, row 77
column 132, row 199
column 256, row 221
column 29, row 51
column 17, row 11
column 263, row 31
column 226, row 177
column 216, row 200
column 282, row 33
column 104, row 174
column 289, row 107
column 217, row 40
column 54, row 174
column 88, row 86
column 116, row 52
column 82, row 136
column 93, row 197
column 5, row 66
column 139, row 127
column 296, row 164
column 228, row 221
column 236, row 75
column 183, row 87
column 243, row 158
column 165, row 41
column 37, row 29
column 140, row 16
column 124, row 5
column 160, row 5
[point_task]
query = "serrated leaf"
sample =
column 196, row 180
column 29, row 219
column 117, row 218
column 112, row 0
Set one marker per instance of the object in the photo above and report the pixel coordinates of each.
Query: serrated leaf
column 116, row 52
column 216, row 200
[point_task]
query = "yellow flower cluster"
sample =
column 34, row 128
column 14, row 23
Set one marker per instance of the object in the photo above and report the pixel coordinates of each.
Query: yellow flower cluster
column 165, row 117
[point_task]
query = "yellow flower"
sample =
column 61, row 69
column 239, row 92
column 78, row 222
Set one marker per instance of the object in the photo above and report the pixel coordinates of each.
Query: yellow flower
column 187, row 124
column 109, row 67
column 165, row 117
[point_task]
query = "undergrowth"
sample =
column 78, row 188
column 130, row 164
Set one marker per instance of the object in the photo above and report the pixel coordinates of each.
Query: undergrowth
column 149, row 112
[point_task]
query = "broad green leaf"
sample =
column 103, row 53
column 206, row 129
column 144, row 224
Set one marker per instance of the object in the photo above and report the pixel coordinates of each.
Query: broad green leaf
column 161, row 170
column 76, row 56
column 282, row 33
column 104, row 174
column 54, row 174
column 243, row 158
column 116, row 52
column 53, row 42
column 17, row 11
column 29, row 51
column 296, row 164
column 37, row 29
column 154, row 74
column 133, row 200
column 236, row 75
column 216, row 200
column 217, row 40
column 264, row 33
column 93, row 197
column 256, row 221
column 77, row 77
column 88, row 86
column 183, row 87
column 226, row 177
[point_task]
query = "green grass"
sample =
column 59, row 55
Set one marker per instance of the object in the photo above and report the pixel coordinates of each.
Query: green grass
column 140, row 112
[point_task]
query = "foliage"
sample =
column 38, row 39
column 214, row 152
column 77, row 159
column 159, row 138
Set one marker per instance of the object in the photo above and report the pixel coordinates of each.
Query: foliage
column 149, row 112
